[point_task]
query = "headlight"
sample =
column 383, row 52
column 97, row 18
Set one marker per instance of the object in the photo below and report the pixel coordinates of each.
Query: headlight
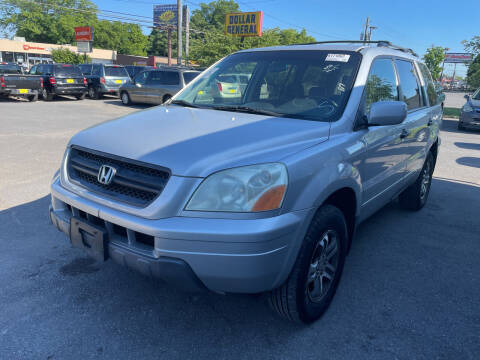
column 245, row 189
column 467, row 108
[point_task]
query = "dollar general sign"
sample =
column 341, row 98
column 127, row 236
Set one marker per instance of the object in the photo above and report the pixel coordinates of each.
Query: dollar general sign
column 244, row 24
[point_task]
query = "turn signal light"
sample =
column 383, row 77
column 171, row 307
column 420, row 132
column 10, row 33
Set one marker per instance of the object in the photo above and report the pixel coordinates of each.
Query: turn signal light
column 272, row 199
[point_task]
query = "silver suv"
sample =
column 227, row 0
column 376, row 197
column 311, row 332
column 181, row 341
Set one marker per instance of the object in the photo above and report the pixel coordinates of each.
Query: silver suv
column 260, row 192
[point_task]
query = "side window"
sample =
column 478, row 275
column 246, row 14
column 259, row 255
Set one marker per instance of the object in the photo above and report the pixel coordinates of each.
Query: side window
column 39, row 70
column 409, row 84
column 156, row 78
column 141, row 78
column 381, row 83
column 170, row 78
column 33, row 70
column 430, row 86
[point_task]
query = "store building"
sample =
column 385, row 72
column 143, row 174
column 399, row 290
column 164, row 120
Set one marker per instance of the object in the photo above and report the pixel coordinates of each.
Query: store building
column 29, row 54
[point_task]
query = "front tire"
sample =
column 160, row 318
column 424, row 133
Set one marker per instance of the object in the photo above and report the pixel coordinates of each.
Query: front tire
column 416, row 195
column 460, row 126
column 125, row 98
column 313, row 281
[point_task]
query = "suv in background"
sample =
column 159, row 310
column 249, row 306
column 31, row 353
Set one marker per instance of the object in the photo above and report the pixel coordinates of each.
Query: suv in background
column 156, row 86
column 61, row 79
column 134, row 70
column 104, row 79
column 262, row 192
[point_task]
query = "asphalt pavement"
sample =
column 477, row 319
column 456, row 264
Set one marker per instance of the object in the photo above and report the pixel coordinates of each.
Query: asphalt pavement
column 410, row 289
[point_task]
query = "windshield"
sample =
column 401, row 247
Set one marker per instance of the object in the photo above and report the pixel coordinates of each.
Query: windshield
column 304, row 84
column 10, row 69
column 116, row 71
column 189, row 76
column 68, row 70
column 476, row 95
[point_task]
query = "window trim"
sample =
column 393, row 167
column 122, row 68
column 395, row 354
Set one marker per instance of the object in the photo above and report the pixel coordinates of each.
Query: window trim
column 424, row 106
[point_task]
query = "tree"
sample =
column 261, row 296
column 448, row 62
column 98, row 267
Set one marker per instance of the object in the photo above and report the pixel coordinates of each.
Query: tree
column 53, row 21
column 473, row 73
column 433, row 59
column 472, row 45
column 64, row 55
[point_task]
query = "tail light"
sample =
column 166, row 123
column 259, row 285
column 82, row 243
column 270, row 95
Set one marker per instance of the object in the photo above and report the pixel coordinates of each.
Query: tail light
column 85, row 81
column 102, row 80
column 219, row 85
column 41, row 83
column 52, row 81
column 2, row 81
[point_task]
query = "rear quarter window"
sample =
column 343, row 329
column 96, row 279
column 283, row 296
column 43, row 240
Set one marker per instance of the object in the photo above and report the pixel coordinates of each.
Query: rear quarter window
column 430, row 86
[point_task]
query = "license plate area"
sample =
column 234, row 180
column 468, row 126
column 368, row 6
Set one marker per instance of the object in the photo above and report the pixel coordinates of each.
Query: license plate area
column 118, row 81
column 23, row 91
column 70, row 81
column 89, row 237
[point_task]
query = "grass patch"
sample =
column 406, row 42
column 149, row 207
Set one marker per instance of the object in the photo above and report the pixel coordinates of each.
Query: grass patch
column 451, row 112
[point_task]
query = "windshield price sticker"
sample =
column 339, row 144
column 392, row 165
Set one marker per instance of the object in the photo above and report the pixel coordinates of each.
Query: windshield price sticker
column 338, row 57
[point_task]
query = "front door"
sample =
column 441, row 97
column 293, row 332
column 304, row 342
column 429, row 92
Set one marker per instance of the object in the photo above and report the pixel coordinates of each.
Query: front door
column 137, row 90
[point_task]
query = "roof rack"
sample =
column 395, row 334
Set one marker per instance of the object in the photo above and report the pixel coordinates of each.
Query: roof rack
column 384, row 43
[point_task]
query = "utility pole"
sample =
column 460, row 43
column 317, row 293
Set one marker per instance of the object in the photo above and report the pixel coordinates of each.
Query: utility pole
column 370, row 32
column 365, row 33
column 179, row 31
column 187, row 35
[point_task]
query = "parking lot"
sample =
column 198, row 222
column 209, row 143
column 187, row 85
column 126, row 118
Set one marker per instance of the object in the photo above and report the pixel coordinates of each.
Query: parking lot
column 410, row 289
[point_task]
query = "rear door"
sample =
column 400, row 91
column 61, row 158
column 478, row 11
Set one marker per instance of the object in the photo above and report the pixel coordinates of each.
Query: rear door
column 136, row 90
column 116, row 76
column 416, row 128
column 155, row 88
column 69, row 76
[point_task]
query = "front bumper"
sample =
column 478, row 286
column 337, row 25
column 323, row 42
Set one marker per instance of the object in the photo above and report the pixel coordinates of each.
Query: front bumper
column 470, row 120
column 224, row 255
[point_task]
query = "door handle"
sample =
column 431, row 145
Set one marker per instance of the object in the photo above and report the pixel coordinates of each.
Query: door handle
column 404, row 134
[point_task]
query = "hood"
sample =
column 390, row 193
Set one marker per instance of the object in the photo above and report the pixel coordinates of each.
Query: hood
column 198, row 142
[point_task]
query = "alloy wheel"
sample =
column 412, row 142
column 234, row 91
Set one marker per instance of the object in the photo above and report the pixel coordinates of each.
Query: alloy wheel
column 426, row 180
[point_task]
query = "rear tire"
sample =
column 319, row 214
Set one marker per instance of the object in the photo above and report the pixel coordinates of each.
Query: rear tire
column 312, row 283
column 32, row 98
column 47, row 96
column 416, row 195
column 81, row 97
column 93, row 93
column 125, row 98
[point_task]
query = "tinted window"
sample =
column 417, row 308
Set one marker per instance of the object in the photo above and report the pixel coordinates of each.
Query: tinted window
column 68, row 70
column 116, row 71
column 303, row 84
column 97, row 70
column 189, row 76
column 10, row 69
column 409, row 84
column 170, row 78
column 430, row 86
column 381, row 83
column 86, row 69
column 476, row 95
column 33, row 70
column 141, row 78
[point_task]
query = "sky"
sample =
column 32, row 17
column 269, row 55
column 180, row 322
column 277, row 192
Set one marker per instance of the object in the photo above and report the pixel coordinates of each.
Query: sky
column 413, row 24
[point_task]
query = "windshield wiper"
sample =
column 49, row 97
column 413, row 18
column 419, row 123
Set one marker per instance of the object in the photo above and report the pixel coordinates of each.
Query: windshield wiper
column 183, row 103
column 248, row 110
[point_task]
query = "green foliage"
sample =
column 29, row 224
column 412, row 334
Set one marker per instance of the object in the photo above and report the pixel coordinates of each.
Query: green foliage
column 64, row 55
column 451, row 112
column 433, row 59
column 472, row 45
column 473, row 73
column 53, row 21
column 211, row 16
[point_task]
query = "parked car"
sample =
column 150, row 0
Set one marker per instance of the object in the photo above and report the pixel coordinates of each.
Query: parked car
column 232, row 85
column 104, row 79
column 134, row 70
column 14, row 82
column 156, row 86
column 470, row 113
column 261, row 193
column 61, row 79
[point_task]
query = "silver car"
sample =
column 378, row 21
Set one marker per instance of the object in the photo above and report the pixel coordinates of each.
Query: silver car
column 470, row 113
column 263, row 192
column 156, row 86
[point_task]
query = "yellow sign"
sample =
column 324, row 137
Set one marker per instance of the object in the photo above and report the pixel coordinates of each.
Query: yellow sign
column 244, row 24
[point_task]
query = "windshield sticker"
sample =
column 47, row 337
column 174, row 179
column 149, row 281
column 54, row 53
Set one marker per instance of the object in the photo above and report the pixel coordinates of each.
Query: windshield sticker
column 338, row 57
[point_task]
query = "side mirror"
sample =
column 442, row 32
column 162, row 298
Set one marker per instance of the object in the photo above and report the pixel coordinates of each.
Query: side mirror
column 467, row 96
column 387, row 113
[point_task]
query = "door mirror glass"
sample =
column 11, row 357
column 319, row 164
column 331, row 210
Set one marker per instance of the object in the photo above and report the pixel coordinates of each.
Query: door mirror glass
column 467, row 96
column 387, row 113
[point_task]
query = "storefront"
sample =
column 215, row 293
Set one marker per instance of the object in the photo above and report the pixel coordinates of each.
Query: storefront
column 28, row 54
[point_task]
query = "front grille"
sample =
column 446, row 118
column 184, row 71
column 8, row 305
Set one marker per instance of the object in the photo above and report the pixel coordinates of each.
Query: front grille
column 134, row 183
